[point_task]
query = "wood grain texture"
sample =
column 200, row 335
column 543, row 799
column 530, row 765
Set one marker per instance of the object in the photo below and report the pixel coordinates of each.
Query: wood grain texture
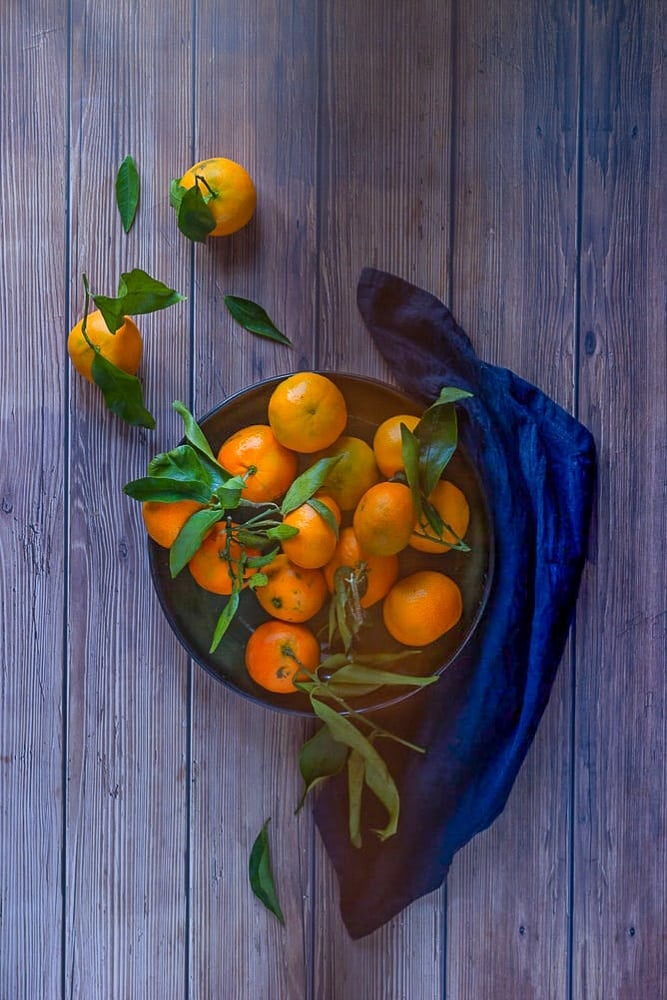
column 32, row 542
column 384, row 201
column 620, row 929
column 127, row 704
column 514, row 291
column 255, row 91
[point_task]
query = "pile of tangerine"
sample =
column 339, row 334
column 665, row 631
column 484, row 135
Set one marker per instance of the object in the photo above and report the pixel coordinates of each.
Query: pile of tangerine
column 375, row 518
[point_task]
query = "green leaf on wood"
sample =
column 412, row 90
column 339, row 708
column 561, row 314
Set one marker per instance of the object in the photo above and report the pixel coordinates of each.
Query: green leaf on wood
column 122, row 393
column 127, row 192
column 138, row 294
column 261, row 874
column 255, row 319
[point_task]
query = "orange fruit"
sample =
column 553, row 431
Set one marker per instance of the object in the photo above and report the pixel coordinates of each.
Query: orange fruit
column 381, row 571
column 307, row 412
column 292, row 594
column 164, row 521
column 228, row 190
column 122, row 348
column 384, row 518
column 387, row 443
column 316, row 541
column 275, row 653
column 215, row 564
column 353, row 473
column 269, row 467
column 452, row 506
column 421, row 607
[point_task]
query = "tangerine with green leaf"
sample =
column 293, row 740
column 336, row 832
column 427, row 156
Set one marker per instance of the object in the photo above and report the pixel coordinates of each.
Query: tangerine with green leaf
column 452, row 506
column 122, row 348
column 216, row 565
column 269, row 468
column 354, row 472
column 380, row 572
column 388, row 443
column 163, row 521
column 228, row 191
column 276, row 654
column 317, row 537
column 291, row 593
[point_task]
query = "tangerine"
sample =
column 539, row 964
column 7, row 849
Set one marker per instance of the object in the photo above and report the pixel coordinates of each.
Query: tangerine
column 227, row 189
column 452, row 506
column 384, row 518
column 316, row 542
column 354, row 472
column 292, row 594
column 381, row 571
column 276, row 652
column 122, row 348
column 307, row 412
column 216, row 564
column 388, row 444
column 269, row 467
column 164, row 520
column 421, row 607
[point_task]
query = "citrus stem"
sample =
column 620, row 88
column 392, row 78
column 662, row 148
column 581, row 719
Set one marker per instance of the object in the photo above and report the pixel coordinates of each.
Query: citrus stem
column 200, row 177
column 84, row 322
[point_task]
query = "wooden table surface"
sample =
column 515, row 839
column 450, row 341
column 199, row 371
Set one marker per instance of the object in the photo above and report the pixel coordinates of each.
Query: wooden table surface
column 511, row 159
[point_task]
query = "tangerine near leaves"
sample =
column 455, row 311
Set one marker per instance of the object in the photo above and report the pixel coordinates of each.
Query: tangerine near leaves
column 315, row 541
column 291, row 594
column 384, row 518
column 268, row 467
column 379, row 572
column 164, row 520
column 388, row 443
column 354, row 472
column 453, row 513
column 214, row 197
column 422, row 607
column 277, row 651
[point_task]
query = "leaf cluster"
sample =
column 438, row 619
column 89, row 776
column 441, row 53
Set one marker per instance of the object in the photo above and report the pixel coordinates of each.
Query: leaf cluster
column 426, row 453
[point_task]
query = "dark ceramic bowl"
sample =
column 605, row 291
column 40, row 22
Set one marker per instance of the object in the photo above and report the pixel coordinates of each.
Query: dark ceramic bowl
column 193, row 612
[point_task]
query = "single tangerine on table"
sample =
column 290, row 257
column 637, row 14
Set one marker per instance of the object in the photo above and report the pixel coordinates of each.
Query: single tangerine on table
column 228, row 190
column 292, row 594
column 422, row 607
column 253, row 451
column 122, row 348
column 316, row 542
column 452, row 506
column 354, row 472
column 381, row 571
column 384, row 518
column 216, row 563
column 275, row 653
column 307, row 412
column 388, row 443
column 163, row 521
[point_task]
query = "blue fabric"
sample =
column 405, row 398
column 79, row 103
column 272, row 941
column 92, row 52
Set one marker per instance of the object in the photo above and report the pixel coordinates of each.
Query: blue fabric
column 537, row 465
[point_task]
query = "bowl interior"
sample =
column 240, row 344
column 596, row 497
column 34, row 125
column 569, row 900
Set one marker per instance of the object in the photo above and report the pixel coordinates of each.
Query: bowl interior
column 193, row 612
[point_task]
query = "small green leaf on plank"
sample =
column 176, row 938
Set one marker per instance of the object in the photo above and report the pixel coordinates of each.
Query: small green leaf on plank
column 127, row 192
column 261, row 874
column 255, row 319
column 138, row 294
column 122, row 393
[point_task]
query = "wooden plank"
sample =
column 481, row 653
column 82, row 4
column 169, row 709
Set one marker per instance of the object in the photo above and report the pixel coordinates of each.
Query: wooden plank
column 32, row 421
column 620, row 828
column 127, row 689
column 514, row 292
column 384, row 202
column 255, row 93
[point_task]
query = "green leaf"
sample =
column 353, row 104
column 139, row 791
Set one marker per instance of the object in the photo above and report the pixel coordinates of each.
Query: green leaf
column 356, row 772
column 138, row 293
column 279, row 532
column 451, row 394
column 166, row 490
column 122, row 392
column 320, row 757
column 255, row 319
column 410, row 453
column 359, row 673
column 261, row 874
column 257, row 580
column 193, row 431
column 225, row 620
column 325, row 513
column 194, row 217
column 378, row 778
column 307, row 484
column 438, row 436
column 190, row 537
column 127, row 192
column 185, row 462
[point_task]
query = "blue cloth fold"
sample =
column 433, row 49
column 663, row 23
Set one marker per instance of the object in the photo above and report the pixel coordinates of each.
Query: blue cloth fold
column 537, row 465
